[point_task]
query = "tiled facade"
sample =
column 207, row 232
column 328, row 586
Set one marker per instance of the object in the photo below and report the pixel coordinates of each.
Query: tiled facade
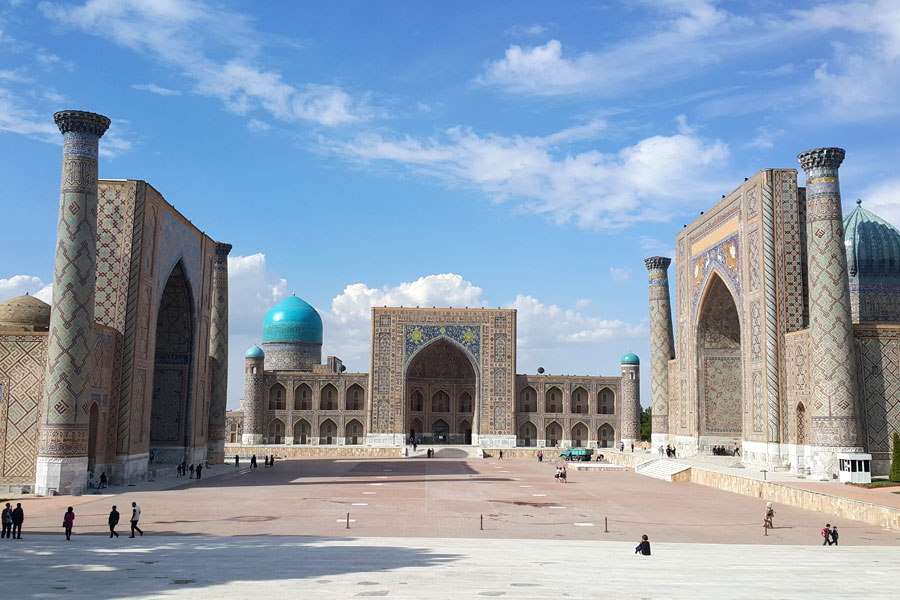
column 768, row 355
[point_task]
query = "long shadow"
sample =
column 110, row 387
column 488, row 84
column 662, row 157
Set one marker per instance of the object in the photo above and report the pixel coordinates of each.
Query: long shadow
column 87, row 567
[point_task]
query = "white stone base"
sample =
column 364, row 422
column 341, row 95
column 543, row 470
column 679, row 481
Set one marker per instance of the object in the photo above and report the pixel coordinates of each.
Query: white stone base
column 215, row 448
column 685, row 445
column 708, row 441
column 659, row 439
column 385, row 439
column 251, row 439
column 129, row 469
column 494, row 441
column 60, row 475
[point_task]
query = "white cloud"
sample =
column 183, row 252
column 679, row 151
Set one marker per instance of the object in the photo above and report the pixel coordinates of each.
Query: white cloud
column 17, row 117
column 642, row 182
column 155, row 89
column 526, row 30
column 19, row 285
column 618, row 274
column 883, row 199
column 186, row 34
column 257, row 126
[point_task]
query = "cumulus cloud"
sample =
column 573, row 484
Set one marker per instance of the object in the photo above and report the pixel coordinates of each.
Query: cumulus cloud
column 641, row 182
column 187, row 34
column 19, row 285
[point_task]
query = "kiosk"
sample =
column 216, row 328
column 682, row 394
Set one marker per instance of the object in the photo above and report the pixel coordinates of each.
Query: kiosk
column 855, row 467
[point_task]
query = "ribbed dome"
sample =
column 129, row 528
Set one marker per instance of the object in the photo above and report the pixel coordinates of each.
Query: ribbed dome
column 292, row 320
column 25, row 313
column 631, row 359
column 873, row 245
column 254, row 352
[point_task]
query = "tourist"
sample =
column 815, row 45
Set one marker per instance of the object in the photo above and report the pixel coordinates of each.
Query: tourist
column 643, row 547
column 272, row 460
column 253, row 462
column 192, row 470
column 834, row 535
column 237, row 461
column 103, row 480
column 674, row 452
column 69, row 522
column 540, row 456
column 199, row 469
column 768, row 521
column 7, row 521
column 18, row 517
column 826, row 534
column 562, row 475
column 737, row 450
column 136, row 516
column 113, row 521
column 660, row 450
column 501, row 455
column 632, row 447
column 558, row 470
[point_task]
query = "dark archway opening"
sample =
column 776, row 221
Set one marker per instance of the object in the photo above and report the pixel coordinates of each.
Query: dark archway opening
column 170, row 424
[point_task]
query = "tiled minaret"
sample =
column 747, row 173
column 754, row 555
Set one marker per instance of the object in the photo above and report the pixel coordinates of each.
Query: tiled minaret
column 63, row 439
column 218, row 354
column 662, row 346
column 254, row 400
column 631, row 399
column 832, row 358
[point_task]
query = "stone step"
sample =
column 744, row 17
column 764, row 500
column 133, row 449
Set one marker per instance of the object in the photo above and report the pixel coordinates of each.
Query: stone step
column 660, row 468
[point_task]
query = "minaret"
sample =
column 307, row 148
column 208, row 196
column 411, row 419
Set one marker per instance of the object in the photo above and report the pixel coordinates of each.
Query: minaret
column 63, row 435
column 630, row 405
column 832, row 359
column 662, row 346
column 218, row 354
column 254, row 397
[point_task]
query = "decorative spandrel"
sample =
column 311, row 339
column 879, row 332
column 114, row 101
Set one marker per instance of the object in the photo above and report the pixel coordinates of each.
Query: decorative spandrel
column 468, row 336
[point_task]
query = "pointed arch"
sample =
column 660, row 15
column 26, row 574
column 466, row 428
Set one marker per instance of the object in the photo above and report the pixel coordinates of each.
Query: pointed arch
column 553, row 433
column 579, row 435
column 327, row 432
column 606, row 436
column 303, row 397
column 328, row 397
column 579, row 401
column 527, row 434
column 440, row 402
column 277, row 395
column 606, row 401
column 356, row 397
column 302, row 432
column 553, row 400
column 527, row 400
column 353, row 432
column 275, row 432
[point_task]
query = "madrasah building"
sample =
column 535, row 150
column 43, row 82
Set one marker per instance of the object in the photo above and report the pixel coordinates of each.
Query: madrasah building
column 437, row 375
column 786, row 338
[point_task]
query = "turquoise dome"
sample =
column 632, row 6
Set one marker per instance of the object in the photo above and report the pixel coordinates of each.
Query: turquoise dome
column 292, row 320
column 631, row 359
column 254, row 352
column 873, row 245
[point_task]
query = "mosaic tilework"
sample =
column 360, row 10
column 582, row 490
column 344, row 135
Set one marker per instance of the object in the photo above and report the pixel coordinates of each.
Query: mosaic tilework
column 771, row 261
column 722, row 258
column 880, row 375
column 719, row 345
column 662, row 346
column 218, row 347
column 115, row 224
column 418, row 336
column 22, row 360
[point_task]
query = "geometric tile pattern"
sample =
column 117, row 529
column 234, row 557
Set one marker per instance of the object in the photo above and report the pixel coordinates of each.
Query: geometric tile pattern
column 22, row 361
column 880, row 365
column 662, row 344
column 218, row 349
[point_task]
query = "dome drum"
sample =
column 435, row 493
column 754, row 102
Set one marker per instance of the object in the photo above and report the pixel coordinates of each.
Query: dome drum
column 292, row 356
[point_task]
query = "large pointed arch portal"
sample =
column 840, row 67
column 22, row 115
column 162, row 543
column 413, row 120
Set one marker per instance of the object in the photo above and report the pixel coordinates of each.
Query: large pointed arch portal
column 443, row 375
column 719, row 366
column 170, row 423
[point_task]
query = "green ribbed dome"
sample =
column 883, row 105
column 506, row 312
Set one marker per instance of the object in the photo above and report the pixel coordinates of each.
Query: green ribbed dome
column 292, row 320
column 873, row 245
column 631, row 359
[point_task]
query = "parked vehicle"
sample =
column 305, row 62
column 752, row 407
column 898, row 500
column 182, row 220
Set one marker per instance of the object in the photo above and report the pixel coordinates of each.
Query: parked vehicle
column 577, row 454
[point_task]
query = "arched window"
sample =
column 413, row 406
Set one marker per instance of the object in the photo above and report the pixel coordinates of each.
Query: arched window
column 303, row 397
column 354, row 433
column 527, row 400
column 606, row 402
column 327, row 432
column 416, row 402
column 553, row 401
column 465, row 402
column 527, row 434
column 302, row 432
column 606, row 436
column 276, row 432
column 276, row 397
column 440, row 402
column 579, row 435
column 356, row 397
column 328, row 398
column 553, row 433
column 579, row 401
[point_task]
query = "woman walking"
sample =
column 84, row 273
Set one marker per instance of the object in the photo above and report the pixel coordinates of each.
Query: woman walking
column 769, row 518
column 69, row 522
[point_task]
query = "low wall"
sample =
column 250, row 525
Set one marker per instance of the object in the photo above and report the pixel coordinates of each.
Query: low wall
column 282, row 451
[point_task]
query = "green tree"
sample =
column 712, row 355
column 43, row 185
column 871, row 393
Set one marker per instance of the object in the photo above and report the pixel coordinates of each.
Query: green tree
column 895, row 461
column 646, row 423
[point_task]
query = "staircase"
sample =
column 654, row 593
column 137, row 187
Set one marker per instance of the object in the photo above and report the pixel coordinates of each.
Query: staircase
column 660, row 468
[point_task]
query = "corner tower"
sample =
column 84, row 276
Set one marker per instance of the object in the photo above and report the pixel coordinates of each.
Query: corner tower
column 254, row 399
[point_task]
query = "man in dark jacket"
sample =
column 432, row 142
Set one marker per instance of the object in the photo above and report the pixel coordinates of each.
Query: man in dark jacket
column 7, row 521
column 18, row 517
column 834, row 535
column 643, row 547
column 113, row 521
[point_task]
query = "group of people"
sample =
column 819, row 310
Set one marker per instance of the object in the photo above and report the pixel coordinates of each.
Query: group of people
column 429, row 453
column 560, row 474
column 670, row 450
column 830, row 534
column 12, row 519
column 181, row 470
column 723, row 451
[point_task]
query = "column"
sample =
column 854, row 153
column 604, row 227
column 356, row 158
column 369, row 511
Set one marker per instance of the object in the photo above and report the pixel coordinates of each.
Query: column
column 63, row 434
column 630, row 404
column 832, row 358
column 218, row 355
column 662, row 346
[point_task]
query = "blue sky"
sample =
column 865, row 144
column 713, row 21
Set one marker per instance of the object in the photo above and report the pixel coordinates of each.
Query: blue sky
column 516, row 154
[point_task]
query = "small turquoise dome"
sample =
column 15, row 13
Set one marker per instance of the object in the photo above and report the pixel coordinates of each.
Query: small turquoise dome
column 631, row 359
column 254, row 352
column 873, row 245
column 292, row 320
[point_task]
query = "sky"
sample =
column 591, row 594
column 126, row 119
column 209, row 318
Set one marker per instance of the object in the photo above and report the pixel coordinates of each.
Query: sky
column 524, row 155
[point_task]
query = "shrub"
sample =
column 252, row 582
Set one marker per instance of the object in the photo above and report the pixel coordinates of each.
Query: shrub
column 895, row 461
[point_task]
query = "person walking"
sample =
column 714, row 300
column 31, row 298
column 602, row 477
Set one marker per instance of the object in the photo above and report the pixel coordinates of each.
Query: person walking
column 192, row 470
column 69, row 523
column 272, row 460
column 18, row 517
column 643, row 547
column 199, row 469
column 253, row 462
column 768, row 520
column 136, row 516
column 237, row 461
column 540, row 456
column 501, row 455
column 834, row 535
column 562, row 475
column 632, row 447
column 113, row 521
column 7, row 521
column 103, row 480
column 826, row 534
